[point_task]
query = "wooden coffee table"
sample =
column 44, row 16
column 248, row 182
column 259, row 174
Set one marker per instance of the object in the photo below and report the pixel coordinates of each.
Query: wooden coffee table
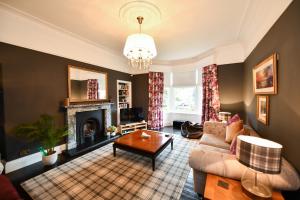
column 149, row 147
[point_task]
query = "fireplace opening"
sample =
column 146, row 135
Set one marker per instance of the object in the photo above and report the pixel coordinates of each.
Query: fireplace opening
column 89, row 127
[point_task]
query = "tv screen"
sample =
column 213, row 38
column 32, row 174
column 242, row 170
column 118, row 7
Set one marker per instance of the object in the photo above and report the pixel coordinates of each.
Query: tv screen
column 130, row 115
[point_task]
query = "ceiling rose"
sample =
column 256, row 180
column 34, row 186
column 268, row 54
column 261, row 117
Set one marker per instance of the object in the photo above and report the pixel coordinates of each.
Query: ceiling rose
column 149, row 11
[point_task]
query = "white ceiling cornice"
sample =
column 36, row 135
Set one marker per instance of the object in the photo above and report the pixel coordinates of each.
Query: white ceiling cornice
column 23, row 24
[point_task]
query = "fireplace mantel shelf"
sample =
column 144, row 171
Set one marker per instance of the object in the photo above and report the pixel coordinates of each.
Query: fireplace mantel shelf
column 88, row 105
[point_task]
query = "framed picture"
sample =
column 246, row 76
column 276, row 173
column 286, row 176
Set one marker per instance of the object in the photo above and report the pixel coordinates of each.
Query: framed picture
column 265, row 76
column 262, row 113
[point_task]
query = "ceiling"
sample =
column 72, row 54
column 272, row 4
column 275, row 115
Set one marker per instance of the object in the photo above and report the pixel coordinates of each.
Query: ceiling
column 181, row 29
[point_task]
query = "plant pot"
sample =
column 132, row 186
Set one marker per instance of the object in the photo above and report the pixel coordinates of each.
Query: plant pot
column 50, row 159
column 113, row 133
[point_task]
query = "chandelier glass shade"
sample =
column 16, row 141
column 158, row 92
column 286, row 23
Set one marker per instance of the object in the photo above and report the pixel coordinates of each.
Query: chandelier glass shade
column 140, row 49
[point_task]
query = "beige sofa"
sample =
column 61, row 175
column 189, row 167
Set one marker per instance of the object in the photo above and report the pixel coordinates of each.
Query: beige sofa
column 213, row 156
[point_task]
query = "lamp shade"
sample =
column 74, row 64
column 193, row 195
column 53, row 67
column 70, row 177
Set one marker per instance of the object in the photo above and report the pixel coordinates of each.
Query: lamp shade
column 259, row 154
column 139, row 46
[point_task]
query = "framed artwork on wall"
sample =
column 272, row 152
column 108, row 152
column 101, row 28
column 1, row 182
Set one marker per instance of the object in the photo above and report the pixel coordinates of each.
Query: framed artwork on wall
column 265, row 76
column 262, row 112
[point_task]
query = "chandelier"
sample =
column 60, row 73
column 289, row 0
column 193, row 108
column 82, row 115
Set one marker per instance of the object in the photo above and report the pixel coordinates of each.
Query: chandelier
column 139, row 49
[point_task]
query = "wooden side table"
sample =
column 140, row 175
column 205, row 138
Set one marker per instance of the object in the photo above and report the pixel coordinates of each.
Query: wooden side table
column 234, row 191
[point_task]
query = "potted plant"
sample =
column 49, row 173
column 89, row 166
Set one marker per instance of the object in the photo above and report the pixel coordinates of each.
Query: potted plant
column 44, row 131
column 112, row 130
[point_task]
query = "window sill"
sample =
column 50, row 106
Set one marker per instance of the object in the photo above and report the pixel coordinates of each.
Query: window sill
column 186, row 113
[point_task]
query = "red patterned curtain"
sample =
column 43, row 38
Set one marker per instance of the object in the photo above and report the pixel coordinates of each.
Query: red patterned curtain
column 211, row 99
column 92, row 88
column 156, row 89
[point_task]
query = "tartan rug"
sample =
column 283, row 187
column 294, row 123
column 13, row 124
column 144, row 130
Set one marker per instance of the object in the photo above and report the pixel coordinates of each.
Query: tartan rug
column 99, row 175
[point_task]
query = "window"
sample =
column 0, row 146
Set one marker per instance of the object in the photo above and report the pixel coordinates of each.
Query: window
column 185, row 99
column 182, row 92
column 166, row 99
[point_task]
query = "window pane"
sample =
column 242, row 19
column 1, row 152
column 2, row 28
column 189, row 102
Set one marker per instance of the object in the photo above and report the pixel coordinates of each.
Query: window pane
column 185, row 99
column 166, row 99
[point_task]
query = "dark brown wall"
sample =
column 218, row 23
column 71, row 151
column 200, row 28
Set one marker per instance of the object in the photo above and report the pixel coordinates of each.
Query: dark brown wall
column 283, row 38
column 140, row 96
column 231, row 88
column 35, row 83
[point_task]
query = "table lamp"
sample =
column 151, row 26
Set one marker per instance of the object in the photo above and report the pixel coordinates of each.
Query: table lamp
column 224, row 116
column 262, row 157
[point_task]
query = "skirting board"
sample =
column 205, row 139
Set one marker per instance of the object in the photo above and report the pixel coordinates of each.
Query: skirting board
column 28, row 160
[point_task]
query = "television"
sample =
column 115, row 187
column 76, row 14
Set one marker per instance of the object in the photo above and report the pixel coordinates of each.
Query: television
column 130, row 115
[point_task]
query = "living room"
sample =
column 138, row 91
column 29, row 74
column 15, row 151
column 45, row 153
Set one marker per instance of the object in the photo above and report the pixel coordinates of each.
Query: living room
column 86, row 115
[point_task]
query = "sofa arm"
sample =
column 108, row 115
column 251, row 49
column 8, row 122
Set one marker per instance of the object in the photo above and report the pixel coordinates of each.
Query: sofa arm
column 217, row 161
column 216, row 128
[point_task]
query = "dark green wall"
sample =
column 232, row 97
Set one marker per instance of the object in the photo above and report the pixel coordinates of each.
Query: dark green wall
column 284, row 39
column 231, row 79
column 35, row 83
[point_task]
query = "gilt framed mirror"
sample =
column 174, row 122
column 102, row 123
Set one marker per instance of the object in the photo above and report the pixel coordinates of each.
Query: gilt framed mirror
column 86, row 85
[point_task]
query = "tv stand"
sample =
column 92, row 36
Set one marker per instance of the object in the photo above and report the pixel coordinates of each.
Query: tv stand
column 128, row 128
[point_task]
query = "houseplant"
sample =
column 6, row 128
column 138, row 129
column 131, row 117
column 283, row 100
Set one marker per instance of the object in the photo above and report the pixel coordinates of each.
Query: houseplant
column 112, row 130
column 46, row 133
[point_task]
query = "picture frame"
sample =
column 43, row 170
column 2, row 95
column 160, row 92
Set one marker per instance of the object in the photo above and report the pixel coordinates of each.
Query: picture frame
column 265, row 76
column 262, row 113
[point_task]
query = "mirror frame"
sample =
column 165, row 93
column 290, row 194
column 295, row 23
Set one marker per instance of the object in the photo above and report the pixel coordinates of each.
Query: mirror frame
column 89, row 70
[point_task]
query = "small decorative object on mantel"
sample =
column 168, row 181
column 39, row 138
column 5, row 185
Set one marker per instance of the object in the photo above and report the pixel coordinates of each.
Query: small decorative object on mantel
column 45, row 132
column 66, row 102
column 262, row 113
column 265, row 76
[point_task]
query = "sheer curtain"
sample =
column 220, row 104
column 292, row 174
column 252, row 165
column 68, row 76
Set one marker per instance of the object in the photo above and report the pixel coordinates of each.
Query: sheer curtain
column 211, row 98
column 155, row 110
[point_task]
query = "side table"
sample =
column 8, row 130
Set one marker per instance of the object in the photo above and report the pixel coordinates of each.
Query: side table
column 217, row 187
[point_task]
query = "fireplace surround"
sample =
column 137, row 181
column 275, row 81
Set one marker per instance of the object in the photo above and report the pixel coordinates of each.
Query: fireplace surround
column 87, row 124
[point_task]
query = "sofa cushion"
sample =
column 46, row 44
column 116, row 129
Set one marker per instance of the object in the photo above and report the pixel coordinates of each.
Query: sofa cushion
column 215, row 141
column 215, row 128
column 234, row 141
column 232, row 130
column 235, row 118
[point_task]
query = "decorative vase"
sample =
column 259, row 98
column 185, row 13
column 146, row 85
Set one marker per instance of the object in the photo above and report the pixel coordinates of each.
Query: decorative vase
column 50, row 159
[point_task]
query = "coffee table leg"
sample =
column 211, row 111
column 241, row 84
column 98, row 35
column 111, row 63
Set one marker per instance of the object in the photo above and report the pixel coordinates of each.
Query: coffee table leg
column 153, row 164
column 114, row 147
column 172, row 144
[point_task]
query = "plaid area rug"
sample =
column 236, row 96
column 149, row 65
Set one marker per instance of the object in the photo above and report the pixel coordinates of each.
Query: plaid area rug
column 99, row 175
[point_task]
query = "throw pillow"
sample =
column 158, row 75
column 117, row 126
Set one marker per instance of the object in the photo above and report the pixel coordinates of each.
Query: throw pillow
column 234, row 142
column 232, row 130
column 235, row 118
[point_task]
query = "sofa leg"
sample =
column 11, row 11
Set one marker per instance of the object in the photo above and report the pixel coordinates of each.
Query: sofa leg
column 199, row 182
